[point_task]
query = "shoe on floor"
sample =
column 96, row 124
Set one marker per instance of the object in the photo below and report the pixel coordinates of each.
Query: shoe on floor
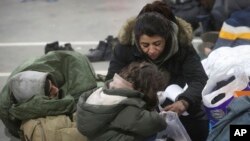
column 55, row 46
column 103, row 51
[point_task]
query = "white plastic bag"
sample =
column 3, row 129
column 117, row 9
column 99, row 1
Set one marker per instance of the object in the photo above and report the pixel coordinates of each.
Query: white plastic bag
column 240, row 82
column 227, row 57
column 175, row 130
column 217, row 97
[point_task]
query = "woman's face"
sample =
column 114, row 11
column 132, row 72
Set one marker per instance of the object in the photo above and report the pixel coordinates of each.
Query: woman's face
column 153, row 46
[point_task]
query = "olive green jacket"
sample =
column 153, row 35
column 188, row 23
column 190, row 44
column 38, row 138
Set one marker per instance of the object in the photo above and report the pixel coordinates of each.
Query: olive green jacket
column 73, row 74
column 127, row 120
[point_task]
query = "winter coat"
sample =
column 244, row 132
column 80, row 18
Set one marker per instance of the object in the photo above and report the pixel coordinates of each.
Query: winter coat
column 238, row 114
column 121, row 116
column 73, row 75
column 184, row 66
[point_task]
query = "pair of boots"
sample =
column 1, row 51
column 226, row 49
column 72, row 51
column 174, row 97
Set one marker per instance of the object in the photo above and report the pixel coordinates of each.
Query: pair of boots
column 103, row 51
column 55, row 46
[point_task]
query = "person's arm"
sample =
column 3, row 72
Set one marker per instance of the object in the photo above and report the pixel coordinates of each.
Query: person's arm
column 138, row 121
column 196, row 79
column 40, row 106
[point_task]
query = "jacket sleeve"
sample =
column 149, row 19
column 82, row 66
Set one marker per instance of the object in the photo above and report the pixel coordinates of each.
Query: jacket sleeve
column 196, row 79
column 39, row 106
column 120, row 58
column 139, row 121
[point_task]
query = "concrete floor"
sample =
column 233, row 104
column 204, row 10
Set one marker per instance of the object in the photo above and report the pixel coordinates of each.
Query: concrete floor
column 27, row 25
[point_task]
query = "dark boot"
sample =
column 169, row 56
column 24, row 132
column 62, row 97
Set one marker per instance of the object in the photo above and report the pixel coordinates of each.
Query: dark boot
column 111, row 42
column 68, row 46
column 97, row 54
column 51, row 47
column 104, row 50
column 55, row 46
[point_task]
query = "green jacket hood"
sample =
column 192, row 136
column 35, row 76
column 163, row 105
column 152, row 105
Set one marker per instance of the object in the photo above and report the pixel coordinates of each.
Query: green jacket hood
column 73, row 74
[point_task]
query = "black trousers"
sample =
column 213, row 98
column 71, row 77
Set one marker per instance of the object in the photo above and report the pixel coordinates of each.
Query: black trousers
column 197, row 129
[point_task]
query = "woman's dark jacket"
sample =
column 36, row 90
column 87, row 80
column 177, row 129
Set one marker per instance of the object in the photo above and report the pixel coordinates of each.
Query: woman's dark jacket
column 184, row 66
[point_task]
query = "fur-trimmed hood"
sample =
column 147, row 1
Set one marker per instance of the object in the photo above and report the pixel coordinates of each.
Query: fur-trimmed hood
column 126, row 35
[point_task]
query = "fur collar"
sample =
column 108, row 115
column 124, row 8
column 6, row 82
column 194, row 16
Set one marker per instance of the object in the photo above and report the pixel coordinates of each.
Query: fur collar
column 126, row 36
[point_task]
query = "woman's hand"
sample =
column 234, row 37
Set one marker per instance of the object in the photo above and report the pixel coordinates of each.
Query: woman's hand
column 179, row 107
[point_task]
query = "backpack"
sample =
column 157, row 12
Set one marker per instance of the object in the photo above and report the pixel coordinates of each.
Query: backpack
column 50, row 128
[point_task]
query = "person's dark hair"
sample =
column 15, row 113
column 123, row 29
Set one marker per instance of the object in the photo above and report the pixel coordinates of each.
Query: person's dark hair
column 151, row 24
column 159, row 7
column 164, row 9
column 47, row 84
column 146, row 23
column 47, row 87
column 145, row 78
